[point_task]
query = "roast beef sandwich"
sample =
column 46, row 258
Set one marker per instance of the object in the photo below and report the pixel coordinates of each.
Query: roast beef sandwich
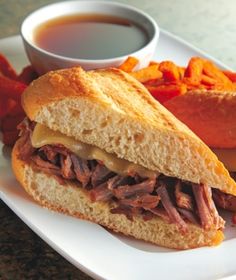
column 97, row 146
column 211, row 115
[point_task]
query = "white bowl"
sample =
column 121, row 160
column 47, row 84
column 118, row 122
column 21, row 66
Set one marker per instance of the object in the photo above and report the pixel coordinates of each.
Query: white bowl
column 44, row 61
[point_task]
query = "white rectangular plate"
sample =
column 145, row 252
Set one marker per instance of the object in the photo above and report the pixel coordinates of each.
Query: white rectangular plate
column 93, row 249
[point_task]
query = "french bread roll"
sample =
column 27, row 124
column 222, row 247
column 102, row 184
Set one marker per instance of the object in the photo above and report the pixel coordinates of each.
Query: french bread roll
column 113, row 111
column 110, row 110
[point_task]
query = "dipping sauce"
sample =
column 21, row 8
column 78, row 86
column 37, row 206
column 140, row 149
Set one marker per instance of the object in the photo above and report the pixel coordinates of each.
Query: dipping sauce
column 90, row 36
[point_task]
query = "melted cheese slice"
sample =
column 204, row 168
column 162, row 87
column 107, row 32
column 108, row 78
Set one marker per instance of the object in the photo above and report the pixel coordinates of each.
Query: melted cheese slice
column 228, row 157
column 42, row 135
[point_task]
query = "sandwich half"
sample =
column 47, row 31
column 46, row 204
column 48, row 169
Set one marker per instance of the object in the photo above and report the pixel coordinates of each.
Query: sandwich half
column 212, row 116
column 97, row 146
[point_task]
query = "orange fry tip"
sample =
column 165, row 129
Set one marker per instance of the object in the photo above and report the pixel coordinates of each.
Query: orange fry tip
column 146, row 74
column 165, row 92
column 129, row 64
column 169, row 70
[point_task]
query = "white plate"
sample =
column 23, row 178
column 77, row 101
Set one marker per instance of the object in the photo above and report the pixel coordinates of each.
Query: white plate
column 96, row 251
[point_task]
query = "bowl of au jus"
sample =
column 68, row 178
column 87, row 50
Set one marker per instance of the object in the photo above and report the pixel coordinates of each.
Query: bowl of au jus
column 92, row 34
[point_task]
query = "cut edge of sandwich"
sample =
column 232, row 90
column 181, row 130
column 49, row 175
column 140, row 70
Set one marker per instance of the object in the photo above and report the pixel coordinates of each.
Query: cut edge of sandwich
column 111, row 110
column 73, row 200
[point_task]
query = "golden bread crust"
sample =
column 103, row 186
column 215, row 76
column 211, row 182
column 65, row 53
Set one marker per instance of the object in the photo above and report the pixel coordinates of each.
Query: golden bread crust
column 210, row 114
column 113, row 111
column 73, row 200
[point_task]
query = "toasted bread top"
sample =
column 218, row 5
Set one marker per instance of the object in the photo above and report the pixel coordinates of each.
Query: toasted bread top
column 113, row 111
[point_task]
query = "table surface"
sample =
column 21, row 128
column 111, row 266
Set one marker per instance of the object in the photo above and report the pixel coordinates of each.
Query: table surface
column 209, row 25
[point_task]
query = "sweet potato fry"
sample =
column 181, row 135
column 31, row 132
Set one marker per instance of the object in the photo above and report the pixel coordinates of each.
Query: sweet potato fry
column 16, row 109
column 208, row 81
column 222, row 87
column 6, row 105
column 155, row 82
column 147, row 74
column 10, row 137
column 165, row 92
column 169, row 70
column 181, row 72
column 212, row 71
column 10, row 123
column 11, row 88
column 129, row 64
column 27, row 75
column 193, row 72
column 6, row 69
column 230, row 75
column 153, row 63
column 11, row 112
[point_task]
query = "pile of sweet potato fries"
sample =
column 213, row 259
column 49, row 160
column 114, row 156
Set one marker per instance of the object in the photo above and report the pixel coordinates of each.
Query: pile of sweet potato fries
column 11, row 88
column 164, row 80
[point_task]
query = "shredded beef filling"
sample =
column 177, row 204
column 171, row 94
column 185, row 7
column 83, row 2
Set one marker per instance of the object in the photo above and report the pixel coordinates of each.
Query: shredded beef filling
column 169, row 198
column 225, row 201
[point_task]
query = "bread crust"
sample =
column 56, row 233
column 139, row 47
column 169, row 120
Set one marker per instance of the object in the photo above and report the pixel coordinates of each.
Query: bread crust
column 210, row 114
column 73, row 200
column 113, row 111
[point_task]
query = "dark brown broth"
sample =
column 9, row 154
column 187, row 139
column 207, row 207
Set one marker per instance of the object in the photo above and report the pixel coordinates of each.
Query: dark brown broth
column 90, row 36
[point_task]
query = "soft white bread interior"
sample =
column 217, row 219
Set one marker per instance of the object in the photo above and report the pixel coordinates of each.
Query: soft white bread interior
column 210, row 114
column 73, row 200
column 113, row 111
